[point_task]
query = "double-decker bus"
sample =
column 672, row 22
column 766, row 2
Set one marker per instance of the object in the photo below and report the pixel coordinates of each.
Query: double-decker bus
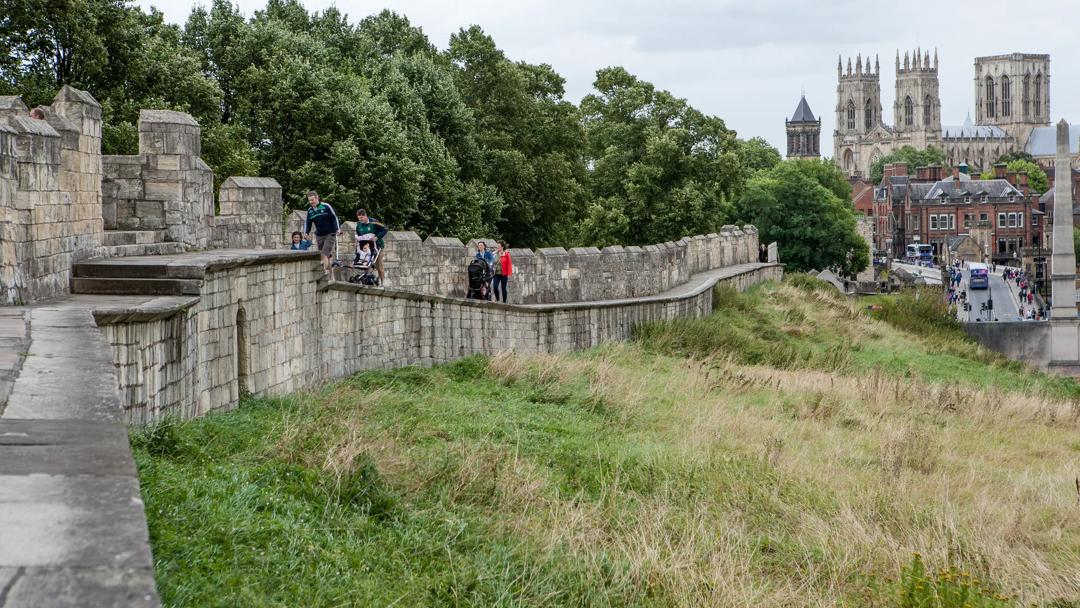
column 979, row 276
column 920, row 253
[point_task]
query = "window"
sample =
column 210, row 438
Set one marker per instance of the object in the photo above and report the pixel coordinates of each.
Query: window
column 1001, row 246
column 952, row 221
column 1038, row 95
column 851, row 115
column 1006, row 97
column 933, row 222
column 1002, row 223
column 983, row 217
column 915, row 223
column 986, row 198
column 1020, row 220
column 868, row 115
column 1034, row 220
column 909, row 112
column 928, row 111
column 967, row 220
column 1025, row 95
column 990, row 99
column 1012, row 220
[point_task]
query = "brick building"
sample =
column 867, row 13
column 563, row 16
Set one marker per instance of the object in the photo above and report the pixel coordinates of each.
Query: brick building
column 1001, row 215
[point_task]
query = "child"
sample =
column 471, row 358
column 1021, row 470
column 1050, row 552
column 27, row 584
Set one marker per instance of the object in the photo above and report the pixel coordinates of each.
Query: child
column 365, row 253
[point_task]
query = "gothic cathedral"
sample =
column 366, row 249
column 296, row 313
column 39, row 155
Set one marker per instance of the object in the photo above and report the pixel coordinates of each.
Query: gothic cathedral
column 1012, row 97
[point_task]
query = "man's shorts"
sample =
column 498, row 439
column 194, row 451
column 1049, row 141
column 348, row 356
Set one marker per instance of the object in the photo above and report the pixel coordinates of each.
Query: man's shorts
column 327, row 244
column 378, row 264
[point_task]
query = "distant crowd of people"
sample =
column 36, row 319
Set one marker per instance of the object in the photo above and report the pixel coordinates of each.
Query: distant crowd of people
column 488, row 273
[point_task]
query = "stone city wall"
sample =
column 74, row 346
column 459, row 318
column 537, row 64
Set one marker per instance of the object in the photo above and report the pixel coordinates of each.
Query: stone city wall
column 271, row 328
column 50, row 194
column 166, row 186
column 437, row 265
column 249, row 214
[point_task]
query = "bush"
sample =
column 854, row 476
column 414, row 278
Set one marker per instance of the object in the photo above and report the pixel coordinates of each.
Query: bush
column 922, row 313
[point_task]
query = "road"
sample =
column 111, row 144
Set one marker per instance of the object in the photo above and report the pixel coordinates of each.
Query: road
column 1005, row 296
column 932, row 276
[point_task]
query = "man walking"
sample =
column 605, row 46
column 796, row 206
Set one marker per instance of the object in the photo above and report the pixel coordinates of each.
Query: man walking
column 369, row 225
column 322, row 217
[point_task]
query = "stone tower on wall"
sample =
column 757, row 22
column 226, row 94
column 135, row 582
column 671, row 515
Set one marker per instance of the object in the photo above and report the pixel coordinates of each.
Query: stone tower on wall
column 803, row 132
column 858, row 110
column 917, row 108
column 1013, row 92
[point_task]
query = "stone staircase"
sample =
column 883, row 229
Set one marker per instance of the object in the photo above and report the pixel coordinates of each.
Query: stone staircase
column 124, row 243
column 102, row 276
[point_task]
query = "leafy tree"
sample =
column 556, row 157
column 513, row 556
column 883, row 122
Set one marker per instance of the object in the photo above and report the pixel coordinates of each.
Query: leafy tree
column 661, row 170
column 1008, row 157
column 910, row 156
column 756, row 155
column 1037, row 178
column 796, row 204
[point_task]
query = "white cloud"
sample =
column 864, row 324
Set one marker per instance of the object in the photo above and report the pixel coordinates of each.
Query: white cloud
column 748, row 61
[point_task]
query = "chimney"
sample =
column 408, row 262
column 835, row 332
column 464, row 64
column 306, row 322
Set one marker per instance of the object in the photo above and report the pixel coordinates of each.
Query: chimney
column 999, row 170
column 935, row 173
column 1022, row 181
column 922, row 173
column 1010, row 176
column 956, row 176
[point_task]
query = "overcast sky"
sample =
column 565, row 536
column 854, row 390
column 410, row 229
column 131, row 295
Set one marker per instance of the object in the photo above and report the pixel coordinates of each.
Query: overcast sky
column 747, row 61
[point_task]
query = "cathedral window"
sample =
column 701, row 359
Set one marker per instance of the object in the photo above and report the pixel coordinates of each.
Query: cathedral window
column 990, row 98
column 851, row 115
column 1038, row 95
column 1006, row 97
column 1025, row 95
column 909, row 112
column 868, row 116
column 928, row 112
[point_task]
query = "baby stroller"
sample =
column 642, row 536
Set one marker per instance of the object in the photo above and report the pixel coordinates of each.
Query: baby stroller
column 479, row 280
column 363, row 265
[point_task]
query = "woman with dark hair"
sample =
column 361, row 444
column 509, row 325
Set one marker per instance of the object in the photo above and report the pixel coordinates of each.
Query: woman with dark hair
column 504, row 267
column 299, row 243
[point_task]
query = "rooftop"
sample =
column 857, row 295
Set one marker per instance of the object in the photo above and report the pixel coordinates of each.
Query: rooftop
column 802, row 112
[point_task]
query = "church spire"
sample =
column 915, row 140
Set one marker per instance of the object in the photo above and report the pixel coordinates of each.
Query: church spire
column 897, row 61
column 877, row 65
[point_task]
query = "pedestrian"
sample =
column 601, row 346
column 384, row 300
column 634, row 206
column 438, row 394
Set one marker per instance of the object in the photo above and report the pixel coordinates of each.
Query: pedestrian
column 1031, row 297
column 763, row 253
column 366, row 224
column 299, row 243
column 322, row 218
column 37, row 114
column 504, row 267
column 488, row 257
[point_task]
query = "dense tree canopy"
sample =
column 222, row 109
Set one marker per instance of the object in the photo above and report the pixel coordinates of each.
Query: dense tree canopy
column 805, row 205
column 911, row 157
column 463, row 141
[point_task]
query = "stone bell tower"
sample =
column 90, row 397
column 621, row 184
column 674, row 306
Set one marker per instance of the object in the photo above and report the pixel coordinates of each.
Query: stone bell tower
column 803, row 132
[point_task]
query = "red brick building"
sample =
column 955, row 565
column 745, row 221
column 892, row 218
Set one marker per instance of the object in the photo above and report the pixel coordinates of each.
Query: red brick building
column 1001, row 214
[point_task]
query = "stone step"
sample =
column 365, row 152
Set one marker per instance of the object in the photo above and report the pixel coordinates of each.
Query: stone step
column 102, row 268
column 134, row 237
column 120, row 251
column 136, row 287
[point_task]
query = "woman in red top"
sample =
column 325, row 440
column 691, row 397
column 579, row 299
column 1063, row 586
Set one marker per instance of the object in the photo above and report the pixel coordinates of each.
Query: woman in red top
column 504, row 267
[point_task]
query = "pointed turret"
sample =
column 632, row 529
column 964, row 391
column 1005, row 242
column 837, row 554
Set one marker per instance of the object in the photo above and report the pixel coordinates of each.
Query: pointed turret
column 907, row 61
column 877, row 65
column 935, row 59
column 839, row 66
column 897, row 60
column 858, row 64
column 849, row 66
column 926, row 62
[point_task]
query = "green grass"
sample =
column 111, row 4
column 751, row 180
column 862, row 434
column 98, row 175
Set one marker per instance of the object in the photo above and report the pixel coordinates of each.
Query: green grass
column 787, row 451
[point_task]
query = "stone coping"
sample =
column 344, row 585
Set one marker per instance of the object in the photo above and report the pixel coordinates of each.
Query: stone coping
column 697, row 284
column 142, row 309
column 195, row 265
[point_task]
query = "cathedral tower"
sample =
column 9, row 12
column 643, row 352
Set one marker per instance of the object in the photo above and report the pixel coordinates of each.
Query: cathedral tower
column 803, row 133
column 1013, row 92
column 917, row 108
column 858, row 111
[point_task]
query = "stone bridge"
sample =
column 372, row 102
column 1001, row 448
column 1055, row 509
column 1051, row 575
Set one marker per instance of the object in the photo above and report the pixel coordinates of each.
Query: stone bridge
column 129, row 299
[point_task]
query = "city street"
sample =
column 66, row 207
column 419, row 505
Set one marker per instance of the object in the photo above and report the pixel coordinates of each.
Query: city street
column 1006, row 300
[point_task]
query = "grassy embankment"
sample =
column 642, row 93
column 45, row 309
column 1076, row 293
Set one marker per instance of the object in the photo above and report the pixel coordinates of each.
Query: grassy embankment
column 786, row 451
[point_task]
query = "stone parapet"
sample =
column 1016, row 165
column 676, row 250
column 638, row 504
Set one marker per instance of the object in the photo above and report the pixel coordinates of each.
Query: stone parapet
column 50, row 194
column 264, row 324
column 249, row 214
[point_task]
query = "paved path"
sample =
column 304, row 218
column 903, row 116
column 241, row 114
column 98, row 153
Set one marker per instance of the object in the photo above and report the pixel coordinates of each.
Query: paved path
column 1006, row 300
column 72, row 528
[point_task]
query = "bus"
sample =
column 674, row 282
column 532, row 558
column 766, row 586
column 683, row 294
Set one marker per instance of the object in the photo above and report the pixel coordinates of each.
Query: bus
column 980, row 276
column 920, row 253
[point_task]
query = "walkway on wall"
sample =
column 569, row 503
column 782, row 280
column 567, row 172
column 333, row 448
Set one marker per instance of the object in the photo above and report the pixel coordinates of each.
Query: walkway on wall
column 72, row 527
